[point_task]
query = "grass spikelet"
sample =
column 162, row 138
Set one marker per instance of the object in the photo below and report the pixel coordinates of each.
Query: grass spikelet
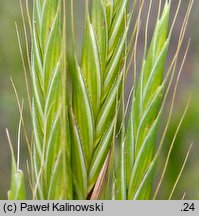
column 146, row 111
column 47, row 158
column 95, row 86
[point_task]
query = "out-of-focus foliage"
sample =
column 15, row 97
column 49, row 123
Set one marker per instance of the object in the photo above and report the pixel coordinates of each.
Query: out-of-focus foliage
column 189, row 132
column 10, row 67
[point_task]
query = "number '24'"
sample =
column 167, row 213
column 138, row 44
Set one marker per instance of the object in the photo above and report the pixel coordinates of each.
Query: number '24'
column 188, row 207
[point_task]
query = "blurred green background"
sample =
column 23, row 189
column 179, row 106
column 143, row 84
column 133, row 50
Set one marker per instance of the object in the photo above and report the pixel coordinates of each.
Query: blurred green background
column 11, row 66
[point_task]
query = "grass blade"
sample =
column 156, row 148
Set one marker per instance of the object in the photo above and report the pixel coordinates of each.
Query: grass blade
column 17, row 190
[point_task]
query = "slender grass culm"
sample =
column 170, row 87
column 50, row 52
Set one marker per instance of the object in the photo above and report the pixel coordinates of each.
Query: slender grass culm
column 85, row 145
